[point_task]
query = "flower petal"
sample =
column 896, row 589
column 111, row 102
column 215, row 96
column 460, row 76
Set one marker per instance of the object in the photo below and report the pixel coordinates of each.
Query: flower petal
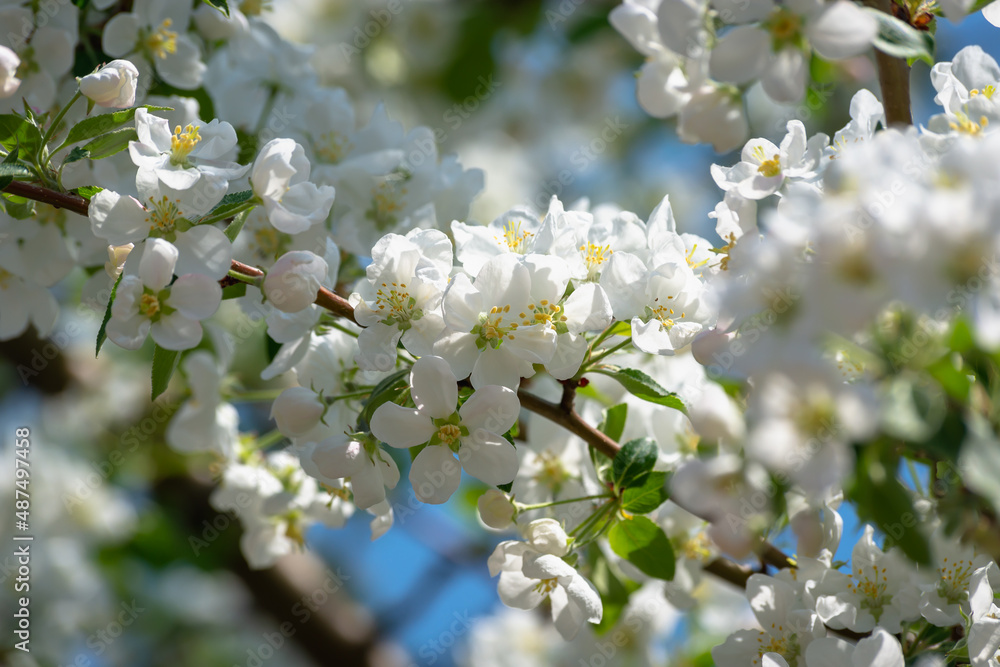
column 433, row 387
column 401, row 427
column 488, row 457
column 435, row 474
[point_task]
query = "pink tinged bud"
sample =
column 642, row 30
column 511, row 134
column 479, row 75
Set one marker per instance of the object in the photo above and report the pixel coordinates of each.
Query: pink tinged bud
column 297, row 411
column 495, row 509
column 113, row 85
column 294, row 281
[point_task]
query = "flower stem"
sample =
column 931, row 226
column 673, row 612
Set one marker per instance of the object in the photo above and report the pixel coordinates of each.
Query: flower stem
column 610, row 351
column 233, row 212
column 55, row 123
column 525, row 508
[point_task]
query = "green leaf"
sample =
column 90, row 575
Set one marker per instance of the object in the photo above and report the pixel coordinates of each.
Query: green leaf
column 613, row 423
column 19, row 208
column 234, row 227
column 221, row 5
column 111, row 143
column 385, row 391
column 78, row 153
column 95, row 126
column 234, row 291
column 164, row 363
column 614, row 592
column 14, row 170
column 9, row 162
column 901, row 40
column 644, row 544
column 102, row 332
column 230, row 202
column 882, row 499
column 17, row 132
column 648, row 496
column 87, row 191
column 954, row 381
column 634, row 462
column 641, row 385
column 621, row 329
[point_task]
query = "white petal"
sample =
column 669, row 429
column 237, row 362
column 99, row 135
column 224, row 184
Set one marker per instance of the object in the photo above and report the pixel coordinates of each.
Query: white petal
column 488, row 457
column 401, row 427
column 435, row 474
column 195, row 295
column 492, row 407
column 176, row 332
column 433, row 387
column 784, row 80
column 156, row 267
column 587, row 309
column 740, row 55
column 879, row 650
column 204, row 249
column 829, row 652
column 842, row 30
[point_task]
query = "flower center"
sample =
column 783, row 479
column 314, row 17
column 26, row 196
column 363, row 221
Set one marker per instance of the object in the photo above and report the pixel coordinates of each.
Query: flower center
column 770, row 167
column 396, row 305
column 386, row 204
column 966, row 125
column 552, row 472
column 987, row 91
column 697, row 548
column 182, row 143
column 689, row 257
column 255, row 7
column 514, row 238
column 816, row 416
column 149, row 305
column 594, row 255
column 332, row 147
column 449, row 434
column 544, row 312
column 269, row 241
column 491, row 328
column 785, row 28
column 954, row 582
column 664, row 313
column 873, row 589
column 162, row 41
column 162, row 215
column 546, row 586
column 785, row 646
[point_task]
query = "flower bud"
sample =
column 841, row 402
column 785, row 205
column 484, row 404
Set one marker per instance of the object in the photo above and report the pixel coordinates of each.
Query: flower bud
column 293, row 282
column 113, row 85
column 495, row 509
column 297, row 411
column 548, row 536
column 117, row 254
column 9, row 62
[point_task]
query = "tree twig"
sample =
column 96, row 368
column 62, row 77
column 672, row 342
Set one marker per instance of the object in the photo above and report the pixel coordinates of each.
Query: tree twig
column 893, row 78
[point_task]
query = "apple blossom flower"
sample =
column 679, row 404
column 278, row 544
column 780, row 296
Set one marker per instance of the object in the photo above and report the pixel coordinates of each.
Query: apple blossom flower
column 535, row 570
column 155, row 34
column 204, row 423
column 764, row 167
column 112, row 86
column 400, row 298
column 148, row 303
column 474, row 432
column 370, row 470
column 492, row 332
column 191, row 163
column 280, row 177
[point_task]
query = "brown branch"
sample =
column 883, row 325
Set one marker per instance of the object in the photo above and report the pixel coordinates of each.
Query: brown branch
column 77, row 204
column 65, row 200
column 570, row 421
column 893, row 78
